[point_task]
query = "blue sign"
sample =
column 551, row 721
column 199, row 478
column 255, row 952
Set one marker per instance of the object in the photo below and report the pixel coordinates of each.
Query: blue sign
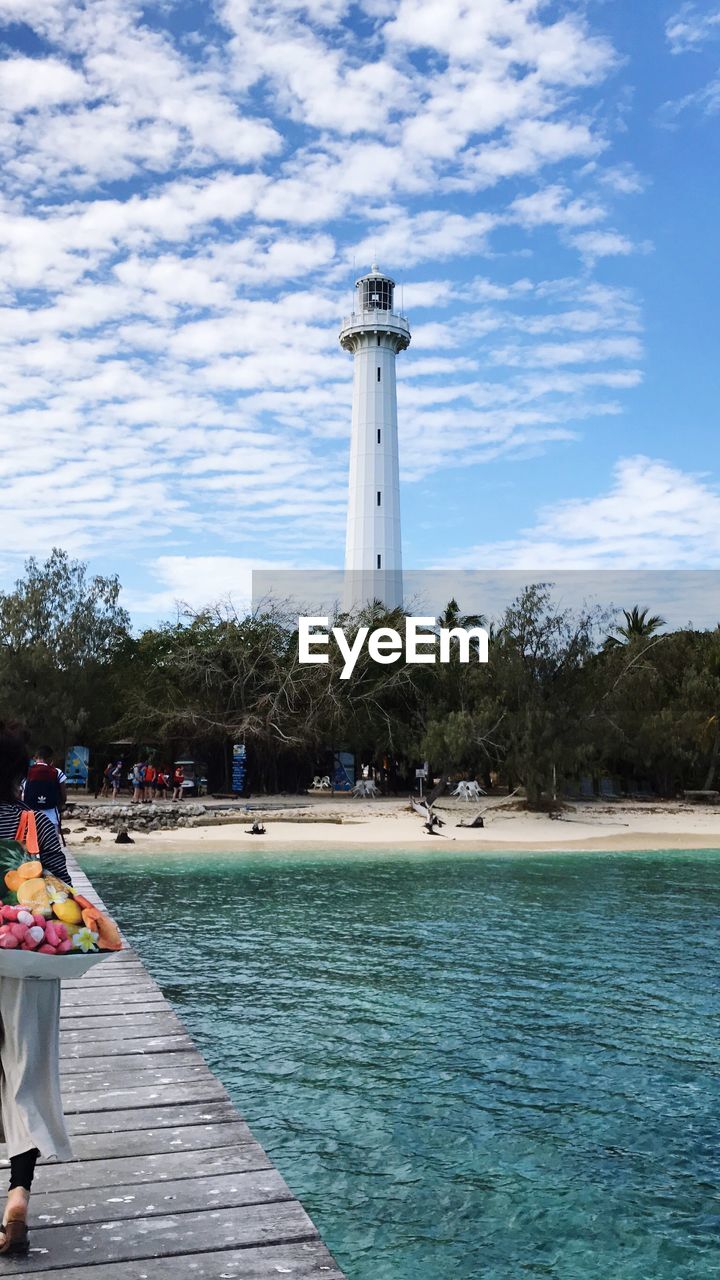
column 239, row 767
column 344, row 771
column 77, row 763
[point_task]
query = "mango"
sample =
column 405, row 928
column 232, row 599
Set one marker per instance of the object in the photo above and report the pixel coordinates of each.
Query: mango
column 69, row 912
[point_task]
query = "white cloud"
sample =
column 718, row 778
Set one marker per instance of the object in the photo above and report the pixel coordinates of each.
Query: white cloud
column 553, row 205
column 603, row 244
column 654, row 516
column 27, row 83
column 691, row 27
column 197, row 582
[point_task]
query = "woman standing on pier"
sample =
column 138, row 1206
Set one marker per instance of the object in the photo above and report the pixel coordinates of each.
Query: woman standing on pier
column 31, row 1112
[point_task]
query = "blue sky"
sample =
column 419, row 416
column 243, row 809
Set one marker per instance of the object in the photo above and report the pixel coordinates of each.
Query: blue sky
column 187, row 191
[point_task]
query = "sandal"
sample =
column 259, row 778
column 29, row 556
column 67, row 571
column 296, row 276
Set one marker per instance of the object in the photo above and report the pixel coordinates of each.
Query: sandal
column 14, row 1239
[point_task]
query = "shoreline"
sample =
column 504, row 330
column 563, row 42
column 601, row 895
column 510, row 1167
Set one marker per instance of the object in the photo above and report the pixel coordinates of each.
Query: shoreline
column 387, row 825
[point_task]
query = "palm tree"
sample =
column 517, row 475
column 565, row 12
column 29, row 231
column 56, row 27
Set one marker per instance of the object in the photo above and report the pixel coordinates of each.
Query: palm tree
column 638, row 626
column 452, row 617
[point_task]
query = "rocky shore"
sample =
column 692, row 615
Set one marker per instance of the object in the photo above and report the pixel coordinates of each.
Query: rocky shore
column 142, row 817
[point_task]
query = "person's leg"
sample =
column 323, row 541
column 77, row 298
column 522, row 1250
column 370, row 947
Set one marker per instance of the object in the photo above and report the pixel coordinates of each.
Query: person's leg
column 22, row 1172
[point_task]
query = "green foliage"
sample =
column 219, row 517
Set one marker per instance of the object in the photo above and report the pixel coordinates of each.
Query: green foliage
column 563, row 692
column 62, row 634
column 12, row 853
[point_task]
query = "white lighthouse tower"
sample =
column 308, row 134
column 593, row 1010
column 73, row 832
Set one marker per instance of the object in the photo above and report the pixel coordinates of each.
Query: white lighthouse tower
column 374, row 334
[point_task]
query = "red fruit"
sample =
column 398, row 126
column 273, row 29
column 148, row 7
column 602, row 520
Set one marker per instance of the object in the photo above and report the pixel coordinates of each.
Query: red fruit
column 29, row 944
column 60, row 929
column 9, row 913
column 19, row 931
column 65, row 946
column 47, row 950
column 51, row 934
column 39, row 919
column 9, row 942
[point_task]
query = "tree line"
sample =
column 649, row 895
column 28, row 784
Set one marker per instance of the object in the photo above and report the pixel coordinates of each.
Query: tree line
column 566, row 692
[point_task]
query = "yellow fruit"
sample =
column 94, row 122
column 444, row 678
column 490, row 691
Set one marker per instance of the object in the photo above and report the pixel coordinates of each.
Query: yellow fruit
column 33, row 894
column 69, row 912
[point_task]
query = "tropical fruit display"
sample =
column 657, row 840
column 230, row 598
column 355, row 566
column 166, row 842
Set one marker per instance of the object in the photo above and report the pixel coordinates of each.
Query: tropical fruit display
column 40, row 913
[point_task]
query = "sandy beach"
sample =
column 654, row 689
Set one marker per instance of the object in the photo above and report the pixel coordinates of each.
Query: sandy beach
column 316, row 822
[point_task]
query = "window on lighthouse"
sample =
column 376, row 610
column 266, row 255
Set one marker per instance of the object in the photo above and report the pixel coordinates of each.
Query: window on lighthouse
column 379, row 497
column 377, row 294
column 378, row 373
column 379, row 562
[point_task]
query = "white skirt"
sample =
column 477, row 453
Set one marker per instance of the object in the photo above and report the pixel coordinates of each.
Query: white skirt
column 31, row 1113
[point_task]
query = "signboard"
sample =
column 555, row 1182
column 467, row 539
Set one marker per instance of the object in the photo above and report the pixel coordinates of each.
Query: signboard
column 77, row 764
column 239, row 767
column 421, row 773
column 343, row 771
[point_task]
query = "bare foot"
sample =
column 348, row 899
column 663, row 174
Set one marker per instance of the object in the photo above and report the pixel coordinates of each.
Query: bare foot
column 17, row 1205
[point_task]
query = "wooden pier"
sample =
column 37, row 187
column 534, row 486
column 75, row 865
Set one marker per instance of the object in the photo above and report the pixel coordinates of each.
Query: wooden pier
column 168, row 1181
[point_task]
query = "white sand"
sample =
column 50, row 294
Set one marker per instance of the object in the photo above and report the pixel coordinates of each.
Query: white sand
column 389, row 824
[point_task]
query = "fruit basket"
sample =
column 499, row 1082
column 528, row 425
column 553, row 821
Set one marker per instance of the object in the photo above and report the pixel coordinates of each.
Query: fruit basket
column 47, row 928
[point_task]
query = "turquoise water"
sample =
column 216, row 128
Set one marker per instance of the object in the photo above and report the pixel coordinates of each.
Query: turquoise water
column 478, row 1068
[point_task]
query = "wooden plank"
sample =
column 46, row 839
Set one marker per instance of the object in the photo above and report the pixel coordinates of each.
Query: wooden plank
column 125, row 1023
column 90, row 1006
column 110, row 1081
column 127, row 982
column 76, row 1044
column 148, row 1142
column 81, row 1175
column 149, row 1007
column 204, row 1089
column 100, row 995
column 110, row 984
column 304, row 1260
column 75, row 1060
column 153, row 1117
column 116, row 964
column 127, row 1201
column 167, row 1236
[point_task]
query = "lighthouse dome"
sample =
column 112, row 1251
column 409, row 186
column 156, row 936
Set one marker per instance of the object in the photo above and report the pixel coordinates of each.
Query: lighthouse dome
column 376, row 290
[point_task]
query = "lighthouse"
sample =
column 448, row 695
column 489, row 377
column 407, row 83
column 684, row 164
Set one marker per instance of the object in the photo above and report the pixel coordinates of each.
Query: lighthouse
column 374, row 334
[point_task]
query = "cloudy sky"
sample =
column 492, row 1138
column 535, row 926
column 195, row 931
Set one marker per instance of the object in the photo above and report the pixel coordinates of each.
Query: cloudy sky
column 188, row 193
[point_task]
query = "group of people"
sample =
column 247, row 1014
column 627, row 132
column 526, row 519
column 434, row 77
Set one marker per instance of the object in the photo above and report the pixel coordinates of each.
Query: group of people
column 147, row 781
column 151, row 782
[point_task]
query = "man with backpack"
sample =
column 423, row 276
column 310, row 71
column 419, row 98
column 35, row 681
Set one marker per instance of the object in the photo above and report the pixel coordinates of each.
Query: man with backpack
column 46, row 786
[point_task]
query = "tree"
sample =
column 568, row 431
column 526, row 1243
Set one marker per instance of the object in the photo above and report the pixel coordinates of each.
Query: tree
column 61, row 633
column 638, row 626
column 544, row 686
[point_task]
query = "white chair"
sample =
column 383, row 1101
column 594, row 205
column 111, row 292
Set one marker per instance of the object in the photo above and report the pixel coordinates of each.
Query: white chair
column 365, row 789
column 468, row 790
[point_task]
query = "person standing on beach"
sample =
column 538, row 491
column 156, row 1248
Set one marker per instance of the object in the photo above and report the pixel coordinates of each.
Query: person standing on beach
column 31, row 1112
column 178, row 779
column 104, row 789
column 150, row 780
column 116, row 778
column 138, row 782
